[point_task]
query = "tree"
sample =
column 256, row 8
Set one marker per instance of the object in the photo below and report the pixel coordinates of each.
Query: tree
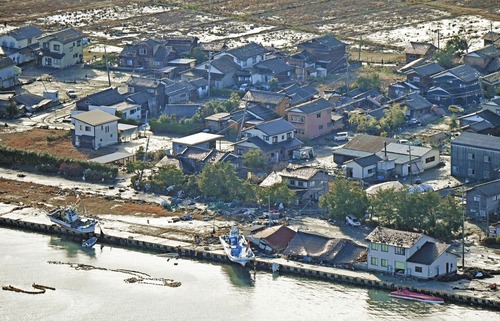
column 344, row 197
column 454, row 48
column 277, row 193
column 253, row 159
column 368, row 82
column 394, row 117
column 199, row 55
column 219, row 180
column 453, row 123
column 168, row 175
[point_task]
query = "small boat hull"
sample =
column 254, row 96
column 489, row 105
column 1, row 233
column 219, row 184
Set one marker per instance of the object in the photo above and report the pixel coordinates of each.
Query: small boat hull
column 420, row 297
column 89, row 243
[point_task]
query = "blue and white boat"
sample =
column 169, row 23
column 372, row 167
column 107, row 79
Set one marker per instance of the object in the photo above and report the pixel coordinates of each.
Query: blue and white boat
column 237, row 248
column 88, row 244
column 67, row 217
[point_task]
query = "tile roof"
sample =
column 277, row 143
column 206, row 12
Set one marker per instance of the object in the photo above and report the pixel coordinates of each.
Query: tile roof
column 302, row 172
column 415, row 101
column 477, row 141
column 140, row 97
column 489, row 188
column 327, row 42
column 464, row 72
column 264, row 97
column 25, row 32
column 28, row 99
column 300, row 94
column 262, row 113
column 367, row 160
column 182, row 110
column 275, row 65
column 248, row 51
column 275, row 127
column 419, row 48
column 428, row 69
column 392, row 237
column 313, row 106
column 143, row 82
column 224, row 64
column 106, row 97
column 368, row 143
column 95, row 117
column 428, row 253
column 6, row 62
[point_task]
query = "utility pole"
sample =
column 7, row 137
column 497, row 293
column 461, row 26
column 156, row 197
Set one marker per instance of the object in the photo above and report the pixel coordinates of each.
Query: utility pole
column 107, row 65
column 360, row 44
column 409, row 152
column 209, row 67
column 438, row 38
column 463, row 227
column 347, row 72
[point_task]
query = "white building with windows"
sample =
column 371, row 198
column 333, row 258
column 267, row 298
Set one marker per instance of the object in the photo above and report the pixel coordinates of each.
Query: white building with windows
column 95, row 129
column 409, row 253
column 61, row 49
column 20, row 44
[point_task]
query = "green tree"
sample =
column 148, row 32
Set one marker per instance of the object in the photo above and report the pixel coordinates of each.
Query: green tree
column 253, row 159
column 273, row 83
column 453, row 123
column 219, row 180
column 277, row 193
column 199, row 55
column 394, row 117
column 168, row 175
column 11, row 109
column 368, row 82
column 344, row 197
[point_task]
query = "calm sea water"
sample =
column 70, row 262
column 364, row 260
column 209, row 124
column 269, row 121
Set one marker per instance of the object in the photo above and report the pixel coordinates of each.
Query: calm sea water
column 208, row 291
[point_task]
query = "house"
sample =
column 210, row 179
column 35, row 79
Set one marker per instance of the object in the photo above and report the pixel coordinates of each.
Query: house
column 155, row 89
column 247, row 55
column 491, row 38
column 177, row 92
column 275, row 138
column 180, row 65
column 490, row 84
column 107, row 97
column 475, row 156
column 420, row 75
column 492, row 105
column 31, row 102
column 486, row 59
column 362, row 167
column 273, row 239
column 416, row 105
column 220, row 72
column 304, row 63
column 200, row 88
column 61, row 49
column 483, row 122
column 124, row 110
column 360, row 146
column 275, row 68
column 409, row 253
column 95, row 129
column 327, row 52
column 312, row 119
column 415, row 50
column 458, row 85
column 7, row 104
column 401, row 88
column 182, row 111
column 483, row 200
column 9, row 73
column 202, row 140
column 300, row 94
column 315, row 248
column 149, row 54
column 183, row 45
column 217, row 122
column 21, row 44
column 309, row 183
column 277, row 102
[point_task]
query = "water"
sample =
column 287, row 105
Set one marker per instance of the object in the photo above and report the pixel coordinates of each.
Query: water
column 208, row 291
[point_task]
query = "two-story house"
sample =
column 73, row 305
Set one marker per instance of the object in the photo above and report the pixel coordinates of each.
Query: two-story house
column 486, row 59
column 409, row 253
column 95, row 129
column 153, row 87
column 416, row 105
column 247, row 55
column 327, row 52
column 9, row 73
column 483, row 200
column 276, row 102
column 308, row 182
column 300, row 94
column 475, row 156
column 420, row 75
column 275, row 68
column 312, row 119
column 275, row 138
column 150, row 53
column 490, row 84
column 21, row 44
column 220, row 72
column 182, row 45
column 107, row 97
column 458, row 85
column 492, row 105
column 61, row 49
column 415, row 50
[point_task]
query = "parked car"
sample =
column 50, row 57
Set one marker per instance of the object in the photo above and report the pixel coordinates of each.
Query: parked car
column 455, row 109
column 244, row 87
column 71, row 93
column 414, row 122
column 341, row 136
column 352, row 220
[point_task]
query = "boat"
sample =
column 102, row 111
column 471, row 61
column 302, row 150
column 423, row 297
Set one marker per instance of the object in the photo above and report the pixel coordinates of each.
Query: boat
column 89, row 243
column 237, row 248
column 421, row 297
column 68, row 218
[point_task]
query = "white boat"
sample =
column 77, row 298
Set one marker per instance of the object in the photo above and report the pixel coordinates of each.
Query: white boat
column 68, row 218
column 90, row 242
column 237, row 248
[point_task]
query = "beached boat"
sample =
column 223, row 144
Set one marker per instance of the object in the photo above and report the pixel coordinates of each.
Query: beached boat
column 68, row 217
column 421, row 297
column 90, row 242
column 237, row 248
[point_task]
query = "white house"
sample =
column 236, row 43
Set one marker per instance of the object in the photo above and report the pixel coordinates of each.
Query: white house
column 95, row 129
column 420, row 158
column 20, row 44
column 124, row 109
column 61, row 49
column 409, row 253
column 362, row 167
column 247, row 55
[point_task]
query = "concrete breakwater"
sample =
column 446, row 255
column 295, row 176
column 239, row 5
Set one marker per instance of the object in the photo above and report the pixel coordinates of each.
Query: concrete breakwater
column 161, row 245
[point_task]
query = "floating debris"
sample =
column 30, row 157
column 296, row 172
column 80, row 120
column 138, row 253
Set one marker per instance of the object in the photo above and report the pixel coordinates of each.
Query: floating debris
column 41, row 289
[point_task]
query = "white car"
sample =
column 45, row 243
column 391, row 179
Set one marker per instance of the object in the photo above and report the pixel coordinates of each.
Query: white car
column 352, row 220
column 71, row 93
column 341, row 136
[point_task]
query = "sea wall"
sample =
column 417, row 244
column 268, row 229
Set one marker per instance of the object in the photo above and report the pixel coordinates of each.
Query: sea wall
column 159, row 245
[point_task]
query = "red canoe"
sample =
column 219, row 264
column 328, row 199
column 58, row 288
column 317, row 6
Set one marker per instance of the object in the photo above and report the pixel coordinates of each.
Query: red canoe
column 408, row 295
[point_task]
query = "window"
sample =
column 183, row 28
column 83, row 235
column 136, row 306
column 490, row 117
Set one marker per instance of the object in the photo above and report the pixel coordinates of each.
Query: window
column 384, row 248
column 383, row 262
column 418, row 269
column 87, row 128
column 156, row 63
column 275, row 139
column 371, row 170
column 430, row 159
column 239, row 151
column 78, row 43
column 30, row 41
column 143, row 51
column 399, row 250
column 300, row 183
column 282, row 137
column 288, row 135
column 470, row 156
column 477, row 198
column 46, row 45
column 374, row 261
column 106, row 130
column 318, row 115
column 470, row 171
column 320, row 127
column 487, row 159
column 494, row 198
column 374, row 246
column 266, row 138
column 56, row 47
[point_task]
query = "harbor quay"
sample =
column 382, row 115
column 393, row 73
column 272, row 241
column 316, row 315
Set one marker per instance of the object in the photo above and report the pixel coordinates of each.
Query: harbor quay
column 283, row 266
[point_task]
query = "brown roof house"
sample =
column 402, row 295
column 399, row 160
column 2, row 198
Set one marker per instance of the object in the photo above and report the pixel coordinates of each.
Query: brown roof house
column 415, row 50
column 273, row 239
column 409, row 253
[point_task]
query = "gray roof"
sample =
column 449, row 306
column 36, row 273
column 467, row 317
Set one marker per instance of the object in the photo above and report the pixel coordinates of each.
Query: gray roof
column 414, row 101
column 477, row 141
column 248, row 51
column 275, row 127
column 275, row 65
column 326, row 42
column 300, row 94
column 225, row 64
column 95, row 117
column 428, row 253
column 350, row 152
column 367, row 160
column 262, row 113
column 106, row 97
column 368, row 143
column 464, row 72
column 428, row 69
column 140, row 97
column 65, row 35
column 419, row 48
column 264, row 97
column 182, row 110
column 392, row 237
column 28, row 99
column 314, row 106
column 25, row 32
column 143, row 82
column 397, row 148
column 6, row 62
column 489, row 188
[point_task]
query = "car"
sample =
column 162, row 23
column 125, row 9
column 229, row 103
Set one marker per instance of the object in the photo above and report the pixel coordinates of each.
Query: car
column 71, row 93
column 414, row 122
column 341, row 136
column 455, row 109
column 244, row 87
column 352, row 220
